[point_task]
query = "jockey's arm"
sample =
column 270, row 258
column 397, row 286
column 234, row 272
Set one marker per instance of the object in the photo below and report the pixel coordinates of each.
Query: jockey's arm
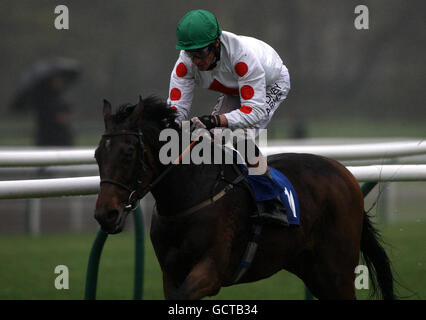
column 181, row 89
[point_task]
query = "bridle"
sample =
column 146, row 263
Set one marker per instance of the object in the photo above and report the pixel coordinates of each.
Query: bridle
column 133, row 197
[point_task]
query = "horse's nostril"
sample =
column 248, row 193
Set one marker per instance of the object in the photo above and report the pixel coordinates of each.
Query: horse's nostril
column 108, row 219
column 112, row 215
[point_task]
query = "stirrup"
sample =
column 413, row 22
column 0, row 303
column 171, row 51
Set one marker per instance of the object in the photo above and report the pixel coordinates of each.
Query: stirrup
column 267, row 218
column 271, row 212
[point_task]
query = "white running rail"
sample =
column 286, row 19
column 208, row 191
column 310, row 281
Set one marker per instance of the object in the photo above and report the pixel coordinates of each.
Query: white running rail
column 384, row 150
column 41, row 188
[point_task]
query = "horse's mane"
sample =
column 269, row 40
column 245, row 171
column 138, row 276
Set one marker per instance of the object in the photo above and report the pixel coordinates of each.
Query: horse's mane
column 156, row 113
column 123, row 113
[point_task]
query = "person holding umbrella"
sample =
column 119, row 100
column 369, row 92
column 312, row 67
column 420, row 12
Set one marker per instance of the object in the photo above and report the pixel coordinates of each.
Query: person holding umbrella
column 41, row 89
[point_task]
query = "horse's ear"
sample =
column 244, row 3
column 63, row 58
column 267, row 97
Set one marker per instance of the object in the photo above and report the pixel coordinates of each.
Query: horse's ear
column 107, row 111
column 137, row 114
column 140, row 103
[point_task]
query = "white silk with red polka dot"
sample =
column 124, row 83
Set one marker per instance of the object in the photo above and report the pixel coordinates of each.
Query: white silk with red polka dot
column 247, row 68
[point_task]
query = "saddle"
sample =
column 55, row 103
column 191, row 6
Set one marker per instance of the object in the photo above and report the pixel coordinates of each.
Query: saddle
column 275, row 196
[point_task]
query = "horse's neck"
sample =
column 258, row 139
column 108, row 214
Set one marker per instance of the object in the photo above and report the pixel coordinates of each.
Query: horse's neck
column 186, row 185
column 182, row 187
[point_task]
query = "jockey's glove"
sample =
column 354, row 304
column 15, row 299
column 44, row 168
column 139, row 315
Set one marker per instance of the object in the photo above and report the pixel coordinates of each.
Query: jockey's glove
column 206, row 122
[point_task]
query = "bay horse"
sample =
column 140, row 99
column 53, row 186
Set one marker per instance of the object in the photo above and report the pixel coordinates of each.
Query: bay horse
column 199, row 252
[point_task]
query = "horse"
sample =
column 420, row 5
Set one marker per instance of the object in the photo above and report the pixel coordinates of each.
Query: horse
column 200, row 247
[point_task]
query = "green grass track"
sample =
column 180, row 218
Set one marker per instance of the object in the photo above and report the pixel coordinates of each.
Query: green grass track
column 27, row 267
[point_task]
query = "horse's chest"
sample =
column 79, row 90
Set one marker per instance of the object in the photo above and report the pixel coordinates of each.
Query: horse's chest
column 180, row 245
column 178, row 259
column 180, row 248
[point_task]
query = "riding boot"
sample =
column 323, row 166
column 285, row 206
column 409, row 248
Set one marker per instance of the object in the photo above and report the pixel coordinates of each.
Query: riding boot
column 271, row 211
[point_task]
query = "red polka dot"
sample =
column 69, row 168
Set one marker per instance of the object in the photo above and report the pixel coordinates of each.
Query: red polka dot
column 173, row 108
column 181, row 70
column 175, row 94
column 241, row 68
column 247, row 92
column 246, row 109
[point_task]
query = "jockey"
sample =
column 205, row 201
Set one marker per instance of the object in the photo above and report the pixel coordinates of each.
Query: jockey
column 249, row 74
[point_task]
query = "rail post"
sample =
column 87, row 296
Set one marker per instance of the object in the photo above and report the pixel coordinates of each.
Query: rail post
column 93, row 266
column 95, row 256
column 139, row 254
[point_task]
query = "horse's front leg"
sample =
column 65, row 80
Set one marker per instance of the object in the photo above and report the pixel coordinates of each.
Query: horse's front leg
column 168, row 285
column 203, row 280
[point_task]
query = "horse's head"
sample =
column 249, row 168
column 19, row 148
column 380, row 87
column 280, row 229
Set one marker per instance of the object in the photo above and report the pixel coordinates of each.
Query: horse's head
column 126, row 158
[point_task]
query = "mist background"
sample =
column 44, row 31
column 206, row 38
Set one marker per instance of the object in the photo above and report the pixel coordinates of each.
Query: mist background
column 127, row 48
column 346, row 85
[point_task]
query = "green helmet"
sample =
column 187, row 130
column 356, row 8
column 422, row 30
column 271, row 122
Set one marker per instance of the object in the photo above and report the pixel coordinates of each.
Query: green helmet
column 197, row 29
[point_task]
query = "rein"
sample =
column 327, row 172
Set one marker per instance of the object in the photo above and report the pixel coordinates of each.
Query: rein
column 134, row 196
column 133, row 192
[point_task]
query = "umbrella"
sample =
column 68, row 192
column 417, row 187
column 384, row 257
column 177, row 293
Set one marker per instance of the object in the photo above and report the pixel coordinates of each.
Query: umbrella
column 38, row 76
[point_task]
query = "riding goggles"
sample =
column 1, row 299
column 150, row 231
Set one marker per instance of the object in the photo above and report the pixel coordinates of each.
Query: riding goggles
column 199, row 53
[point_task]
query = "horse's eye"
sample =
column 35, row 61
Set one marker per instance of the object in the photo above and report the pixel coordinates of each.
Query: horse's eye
column 128, row 153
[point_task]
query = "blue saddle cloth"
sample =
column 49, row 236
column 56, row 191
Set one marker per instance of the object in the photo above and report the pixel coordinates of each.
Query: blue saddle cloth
column 265, row 188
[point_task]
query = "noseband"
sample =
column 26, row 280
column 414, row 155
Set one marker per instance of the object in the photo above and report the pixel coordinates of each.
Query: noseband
column 133, row 197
